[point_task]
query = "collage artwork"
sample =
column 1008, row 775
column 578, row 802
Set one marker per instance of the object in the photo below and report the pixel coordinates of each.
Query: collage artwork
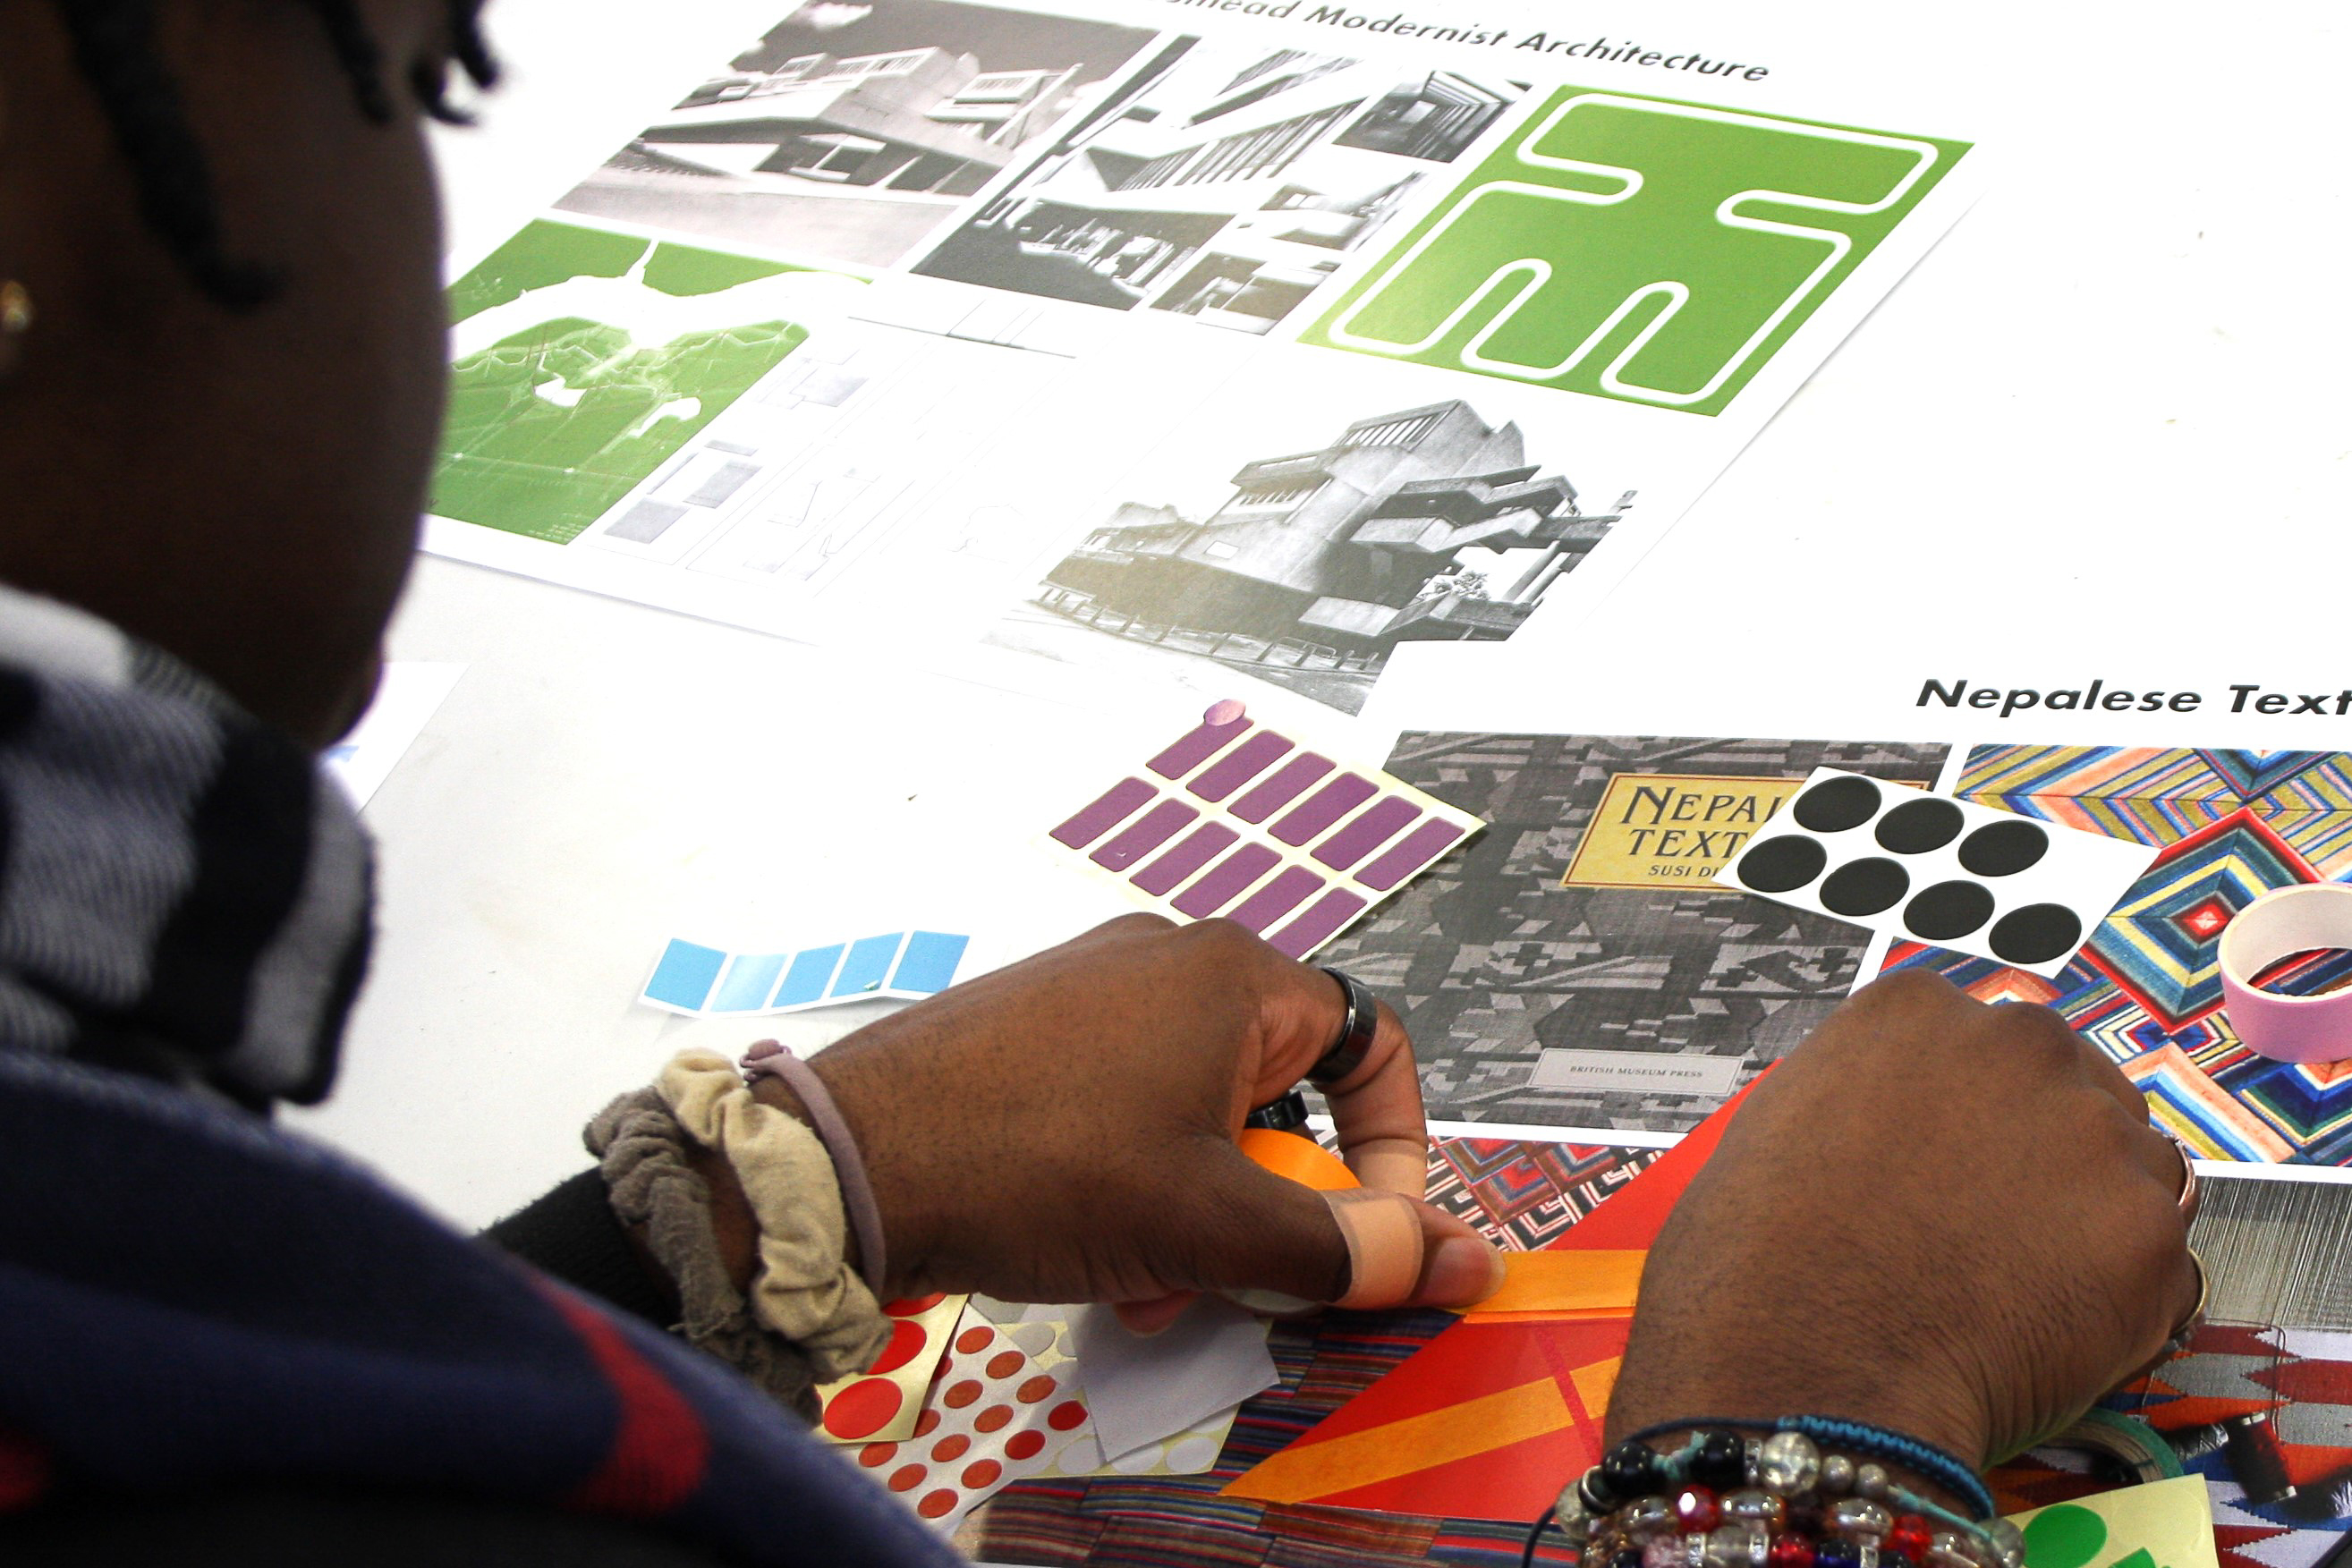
column 1164, row 347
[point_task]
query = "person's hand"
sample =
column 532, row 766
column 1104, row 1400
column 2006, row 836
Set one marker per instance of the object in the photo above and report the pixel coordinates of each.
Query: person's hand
column 1063, row 1130
column 1945, row 1217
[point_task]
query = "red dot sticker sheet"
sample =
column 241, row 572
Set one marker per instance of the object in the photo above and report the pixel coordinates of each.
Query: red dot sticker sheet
column 1190, row 1449
column 1234, row 820
column 994, row 1416
column 882, row 1404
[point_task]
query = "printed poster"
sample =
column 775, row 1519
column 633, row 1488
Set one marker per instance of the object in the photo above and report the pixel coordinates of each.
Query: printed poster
column 1202, row 347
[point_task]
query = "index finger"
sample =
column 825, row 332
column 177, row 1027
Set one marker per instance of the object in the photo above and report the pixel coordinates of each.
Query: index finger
column 1376, row 1108
column 1376, row 1113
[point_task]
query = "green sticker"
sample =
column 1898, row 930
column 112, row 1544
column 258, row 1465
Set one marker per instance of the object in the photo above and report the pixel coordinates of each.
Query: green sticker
column 1638, row 248
column 2064, row 1536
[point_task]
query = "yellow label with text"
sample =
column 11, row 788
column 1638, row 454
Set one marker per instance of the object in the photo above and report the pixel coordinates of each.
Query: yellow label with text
column 1672, row 830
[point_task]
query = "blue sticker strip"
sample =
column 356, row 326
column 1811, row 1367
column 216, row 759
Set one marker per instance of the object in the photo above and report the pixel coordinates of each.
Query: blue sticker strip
column 811, row 973
column 683, row 977
column 693, row 979
column 867, row 966
column 929, row 964
column 749, row 983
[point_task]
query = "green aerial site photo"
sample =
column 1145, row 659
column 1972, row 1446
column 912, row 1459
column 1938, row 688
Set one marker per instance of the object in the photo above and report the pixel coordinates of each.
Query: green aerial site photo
column 584, row 359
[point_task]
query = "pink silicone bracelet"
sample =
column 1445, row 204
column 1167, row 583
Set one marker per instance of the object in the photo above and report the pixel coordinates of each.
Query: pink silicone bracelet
column 848, row 1168
column 2287, row 920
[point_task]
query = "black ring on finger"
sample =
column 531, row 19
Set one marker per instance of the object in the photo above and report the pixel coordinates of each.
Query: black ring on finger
column 1356, row 1030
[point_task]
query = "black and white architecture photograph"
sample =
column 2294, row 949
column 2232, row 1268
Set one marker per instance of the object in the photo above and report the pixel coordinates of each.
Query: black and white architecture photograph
column 1433, row 117
column 851, row 131
column 1306, row 566
column 1227, row 188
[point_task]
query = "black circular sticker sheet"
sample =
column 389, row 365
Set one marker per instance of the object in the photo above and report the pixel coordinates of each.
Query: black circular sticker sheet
column 1926, row 868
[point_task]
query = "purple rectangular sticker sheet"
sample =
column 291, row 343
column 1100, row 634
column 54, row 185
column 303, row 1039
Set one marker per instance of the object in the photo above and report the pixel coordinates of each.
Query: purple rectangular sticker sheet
column 1234, row 820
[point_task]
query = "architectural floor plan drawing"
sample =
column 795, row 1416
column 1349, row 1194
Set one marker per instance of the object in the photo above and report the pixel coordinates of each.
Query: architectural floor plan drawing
column 585, row 360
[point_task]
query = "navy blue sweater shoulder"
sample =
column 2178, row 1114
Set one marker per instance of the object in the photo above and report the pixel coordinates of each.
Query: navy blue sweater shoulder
column 215, row 1337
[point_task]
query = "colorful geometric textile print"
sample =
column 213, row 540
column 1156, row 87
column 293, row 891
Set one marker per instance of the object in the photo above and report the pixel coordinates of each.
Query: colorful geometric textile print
column 2146, row 988
column 1523, row 1196
column 2258, row 1411
column 1512, row 1191
column 2161, row 944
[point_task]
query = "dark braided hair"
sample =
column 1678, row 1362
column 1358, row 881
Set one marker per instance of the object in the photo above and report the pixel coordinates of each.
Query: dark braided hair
column 114, row 43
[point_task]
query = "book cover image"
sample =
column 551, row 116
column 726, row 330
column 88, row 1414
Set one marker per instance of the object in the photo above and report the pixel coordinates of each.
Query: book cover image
column 1574, row 966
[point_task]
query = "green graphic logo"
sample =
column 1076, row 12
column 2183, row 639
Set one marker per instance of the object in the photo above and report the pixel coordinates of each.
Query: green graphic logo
column 1638, row 248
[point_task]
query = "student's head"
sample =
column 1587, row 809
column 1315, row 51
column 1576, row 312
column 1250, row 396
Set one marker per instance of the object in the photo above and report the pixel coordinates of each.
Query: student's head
column 217, row 426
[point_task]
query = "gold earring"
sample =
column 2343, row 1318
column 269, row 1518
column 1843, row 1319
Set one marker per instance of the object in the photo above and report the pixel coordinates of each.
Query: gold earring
column 16, row 319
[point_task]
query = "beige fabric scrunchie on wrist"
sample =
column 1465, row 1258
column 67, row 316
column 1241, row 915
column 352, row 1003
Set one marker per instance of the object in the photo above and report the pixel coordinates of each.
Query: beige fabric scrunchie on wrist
column 803, row 1288
column 642, row 1155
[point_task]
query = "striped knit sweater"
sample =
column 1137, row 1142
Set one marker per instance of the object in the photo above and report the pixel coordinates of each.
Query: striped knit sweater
column 192, row 1299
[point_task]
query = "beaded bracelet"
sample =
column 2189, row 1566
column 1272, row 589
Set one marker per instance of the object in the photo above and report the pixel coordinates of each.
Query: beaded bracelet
column 1724, row 1501
column 1861, row 1438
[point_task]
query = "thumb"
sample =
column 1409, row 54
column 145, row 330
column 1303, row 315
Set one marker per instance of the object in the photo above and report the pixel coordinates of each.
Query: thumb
column 1403, row 1253
column 1360, row 1246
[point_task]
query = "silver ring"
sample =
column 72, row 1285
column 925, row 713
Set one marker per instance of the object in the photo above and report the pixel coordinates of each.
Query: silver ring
column 1356, row 1030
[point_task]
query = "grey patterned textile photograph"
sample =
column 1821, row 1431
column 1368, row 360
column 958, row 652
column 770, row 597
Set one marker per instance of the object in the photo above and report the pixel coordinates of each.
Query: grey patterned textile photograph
column 1573, row 965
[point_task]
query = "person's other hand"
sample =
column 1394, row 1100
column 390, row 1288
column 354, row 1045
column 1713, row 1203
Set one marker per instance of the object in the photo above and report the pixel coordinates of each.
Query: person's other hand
column 1063, row 1130
column 1945, row 1217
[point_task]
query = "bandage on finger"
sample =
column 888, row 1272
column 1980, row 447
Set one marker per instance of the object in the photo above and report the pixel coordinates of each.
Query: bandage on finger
column 1384, row 1246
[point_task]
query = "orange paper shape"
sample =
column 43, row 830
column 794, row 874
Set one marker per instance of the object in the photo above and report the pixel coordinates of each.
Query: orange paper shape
column 1482, row 1423
column 1487, row 1420
column 1547, row 1284
column 1632, row 1220
column 1595, row 1267
column 1303, row 1160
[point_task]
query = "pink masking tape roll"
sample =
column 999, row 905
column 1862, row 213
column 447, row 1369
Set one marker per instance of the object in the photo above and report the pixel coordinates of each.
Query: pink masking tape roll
column 2275, row 926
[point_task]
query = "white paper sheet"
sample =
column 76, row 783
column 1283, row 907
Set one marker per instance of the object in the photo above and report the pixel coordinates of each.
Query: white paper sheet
column 404, row 703
column 1142, row 1389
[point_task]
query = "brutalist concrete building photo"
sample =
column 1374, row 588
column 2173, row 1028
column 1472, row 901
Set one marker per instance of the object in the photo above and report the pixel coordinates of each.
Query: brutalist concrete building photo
column 1417, row 524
